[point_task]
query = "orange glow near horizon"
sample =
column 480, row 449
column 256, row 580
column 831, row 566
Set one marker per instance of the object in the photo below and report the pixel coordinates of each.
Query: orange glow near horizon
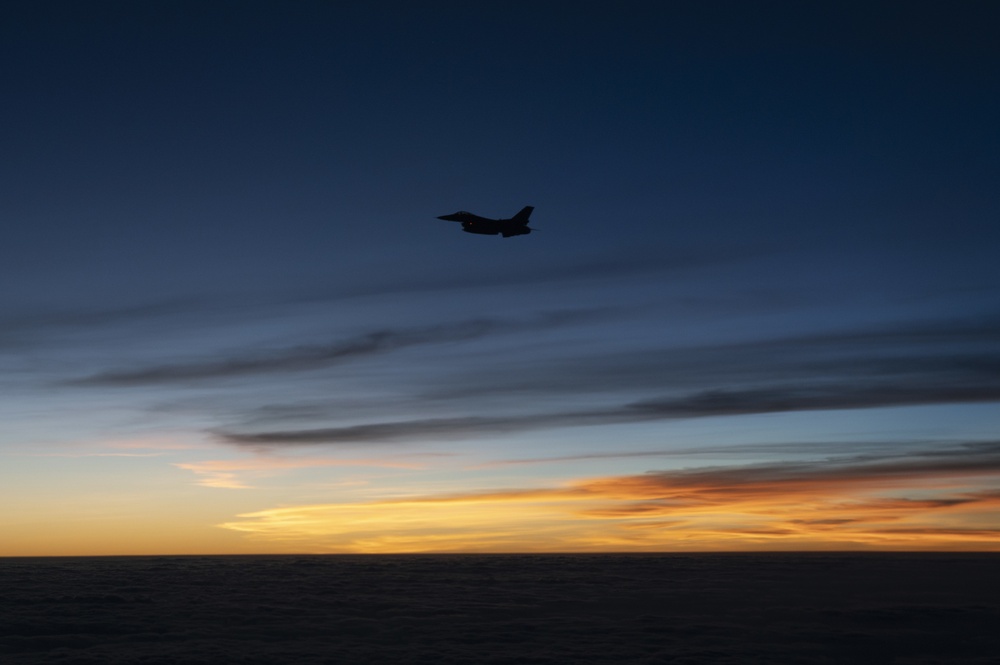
column 652, row 512
column 944, row 499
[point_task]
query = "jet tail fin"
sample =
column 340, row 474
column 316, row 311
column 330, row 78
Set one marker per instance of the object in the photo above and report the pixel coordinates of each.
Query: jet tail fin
column 522, row 217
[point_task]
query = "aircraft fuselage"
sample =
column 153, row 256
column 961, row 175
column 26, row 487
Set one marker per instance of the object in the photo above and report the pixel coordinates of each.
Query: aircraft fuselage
column 515, row 226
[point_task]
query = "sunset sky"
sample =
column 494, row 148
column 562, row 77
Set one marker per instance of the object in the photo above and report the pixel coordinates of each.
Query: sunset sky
column 761, row 310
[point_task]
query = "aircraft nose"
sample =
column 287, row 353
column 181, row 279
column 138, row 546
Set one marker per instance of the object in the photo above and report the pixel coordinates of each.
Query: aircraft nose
column 449, row 218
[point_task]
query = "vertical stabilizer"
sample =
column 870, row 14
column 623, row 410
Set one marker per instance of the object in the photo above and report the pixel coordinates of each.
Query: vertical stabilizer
column 522, row 217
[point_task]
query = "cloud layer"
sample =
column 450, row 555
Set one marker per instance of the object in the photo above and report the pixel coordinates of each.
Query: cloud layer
column 939, row 498
column 954, row 362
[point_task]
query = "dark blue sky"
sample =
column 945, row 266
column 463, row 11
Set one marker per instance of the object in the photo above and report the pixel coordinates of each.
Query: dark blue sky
column 776, row 219
column 261, row 144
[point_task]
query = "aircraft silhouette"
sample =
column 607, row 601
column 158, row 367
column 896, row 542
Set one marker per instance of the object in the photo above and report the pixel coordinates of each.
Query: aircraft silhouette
column 515, row 226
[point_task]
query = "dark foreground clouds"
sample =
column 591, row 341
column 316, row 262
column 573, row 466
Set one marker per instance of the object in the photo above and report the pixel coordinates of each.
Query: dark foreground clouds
column 723, row 609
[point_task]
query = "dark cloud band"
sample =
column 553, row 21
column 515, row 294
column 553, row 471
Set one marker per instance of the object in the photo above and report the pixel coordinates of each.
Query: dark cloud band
column 702, row 405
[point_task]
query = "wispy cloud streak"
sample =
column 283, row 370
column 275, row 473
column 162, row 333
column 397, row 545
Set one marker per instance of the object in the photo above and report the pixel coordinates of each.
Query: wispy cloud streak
column 26, row 327
column 955, row 350
column 312, row 357
column 742, row 450
column 234, row 474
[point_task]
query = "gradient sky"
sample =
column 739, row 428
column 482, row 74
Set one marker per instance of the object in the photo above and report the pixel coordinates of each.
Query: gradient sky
column 761, row 310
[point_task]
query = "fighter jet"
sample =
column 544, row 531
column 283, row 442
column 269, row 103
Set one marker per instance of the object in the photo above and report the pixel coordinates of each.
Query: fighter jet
column 515, row 226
